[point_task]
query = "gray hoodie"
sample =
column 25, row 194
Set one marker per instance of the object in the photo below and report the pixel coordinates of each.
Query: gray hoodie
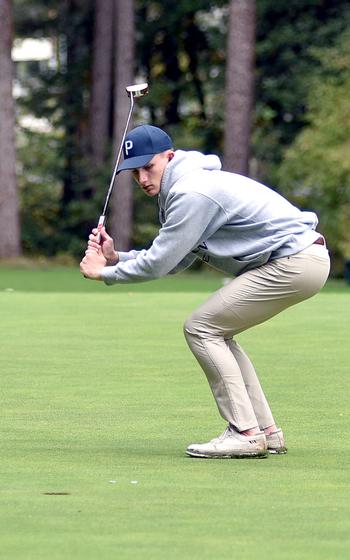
column 227, row 220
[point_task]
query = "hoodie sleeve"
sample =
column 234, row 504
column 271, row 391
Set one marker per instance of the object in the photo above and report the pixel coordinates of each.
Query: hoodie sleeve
column 184, row 264
column 186, row 224
column 125, row 256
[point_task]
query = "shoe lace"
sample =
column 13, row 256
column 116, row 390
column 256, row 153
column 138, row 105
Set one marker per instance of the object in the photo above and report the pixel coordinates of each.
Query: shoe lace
column 226, row 433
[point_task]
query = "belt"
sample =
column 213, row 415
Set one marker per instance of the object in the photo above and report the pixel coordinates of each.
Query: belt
column 320, row 241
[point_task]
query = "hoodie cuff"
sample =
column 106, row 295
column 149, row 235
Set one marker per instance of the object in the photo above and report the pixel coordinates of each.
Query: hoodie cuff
column 108, row 275
column 123, row 256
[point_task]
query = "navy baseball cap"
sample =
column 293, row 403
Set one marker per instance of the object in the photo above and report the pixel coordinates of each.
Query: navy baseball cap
column 142, row 144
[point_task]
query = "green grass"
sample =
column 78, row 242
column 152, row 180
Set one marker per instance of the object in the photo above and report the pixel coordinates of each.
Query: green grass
column 98, row 386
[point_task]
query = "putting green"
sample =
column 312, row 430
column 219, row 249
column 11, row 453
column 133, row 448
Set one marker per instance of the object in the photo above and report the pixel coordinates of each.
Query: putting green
column 100, row 397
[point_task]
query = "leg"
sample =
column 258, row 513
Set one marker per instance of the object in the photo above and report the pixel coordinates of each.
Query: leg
column 255, row 393
column 222, row 370
column 248, row 300
column 230, row 373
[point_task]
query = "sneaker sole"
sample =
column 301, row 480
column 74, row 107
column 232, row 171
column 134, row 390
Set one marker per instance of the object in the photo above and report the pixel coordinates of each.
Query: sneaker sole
column 281, row 451
column 259, row 455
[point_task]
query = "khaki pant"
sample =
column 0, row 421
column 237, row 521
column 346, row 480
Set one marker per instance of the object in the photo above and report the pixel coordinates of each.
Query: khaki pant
column 248, row 300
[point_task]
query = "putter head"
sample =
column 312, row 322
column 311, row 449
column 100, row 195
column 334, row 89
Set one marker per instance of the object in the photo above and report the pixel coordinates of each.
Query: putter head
column 137, row 90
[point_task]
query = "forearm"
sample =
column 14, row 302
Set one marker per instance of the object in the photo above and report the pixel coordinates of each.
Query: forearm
column 130, row 270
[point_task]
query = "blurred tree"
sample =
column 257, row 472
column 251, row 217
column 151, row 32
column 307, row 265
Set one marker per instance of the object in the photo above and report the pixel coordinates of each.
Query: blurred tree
column 181, row 51
column 75, row 28
column 175, row 52
column 57, row 91
column 101, row 85
column 122, row 196
column 239, row 85
column 9, row 205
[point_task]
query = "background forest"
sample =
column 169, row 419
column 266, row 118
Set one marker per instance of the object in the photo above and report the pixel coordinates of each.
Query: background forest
column 264, row 85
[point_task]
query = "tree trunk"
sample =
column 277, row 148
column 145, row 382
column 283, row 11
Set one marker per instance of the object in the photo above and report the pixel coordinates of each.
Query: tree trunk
column 122, row 199
column 239, row 85
column 101, row 80
column 73, row 32
column 9, row 203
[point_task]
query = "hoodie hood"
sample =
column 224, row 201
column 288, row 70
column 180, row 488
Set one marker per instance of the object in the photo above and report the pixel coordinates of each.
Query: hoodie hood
column 183, row 163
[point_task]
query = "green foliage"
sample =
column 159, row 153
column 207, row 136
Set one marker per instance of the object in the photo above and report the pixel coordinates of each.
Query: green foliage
column 316, row 168
column 39, row 175
column 40, row 190
column 288, row 33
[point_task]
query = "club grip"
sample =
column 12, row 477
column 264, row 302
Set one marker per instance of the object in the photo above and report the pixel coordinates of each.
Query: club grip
column 101, row 223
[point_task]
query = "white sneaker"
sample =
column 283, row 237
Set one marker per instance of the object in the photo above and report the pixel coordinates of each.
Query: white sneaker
column 230, row 444
column 275, row 442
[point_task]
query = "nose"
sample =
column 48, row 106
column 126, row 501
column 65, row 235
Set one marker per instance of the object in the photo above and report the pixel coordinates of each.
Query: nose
column 142, row 177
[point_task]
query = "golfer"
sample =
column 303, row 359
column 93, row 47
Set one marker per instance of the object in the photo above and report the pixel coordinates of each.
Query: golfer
column 270, row 248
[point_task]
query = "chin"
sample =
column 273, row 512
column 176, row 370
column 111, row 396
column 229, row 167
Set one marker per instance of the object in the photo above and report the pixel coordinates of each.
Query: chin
column 152, row 192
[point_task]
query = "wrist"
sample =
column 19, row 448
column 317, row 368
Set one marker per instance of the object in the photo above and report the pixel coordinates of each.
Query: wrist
column 112, row 259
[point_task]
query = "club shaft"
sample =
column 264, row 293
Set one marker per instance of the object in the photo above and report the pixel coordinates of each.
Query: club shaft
column 104, row 212
column 132, row 91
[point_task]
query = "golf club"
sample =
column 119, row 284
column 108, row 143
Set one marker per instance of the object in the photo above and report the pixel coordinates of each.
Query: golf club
column 136, row 90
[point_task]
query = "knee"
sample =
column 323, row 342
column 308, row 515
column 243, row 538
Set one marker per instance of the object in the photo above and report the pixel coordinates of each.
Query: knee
column 197, row 327
column 191, row 327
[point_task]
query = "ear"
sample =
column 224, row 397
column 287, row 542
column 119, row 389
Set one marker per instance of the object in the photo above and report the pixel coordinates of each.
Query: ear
column 170, row 155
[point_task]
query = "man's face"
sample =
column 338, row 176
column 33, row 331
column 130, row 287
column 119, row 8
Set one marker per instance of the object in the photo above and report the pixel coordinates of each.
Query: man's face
column 150, row 176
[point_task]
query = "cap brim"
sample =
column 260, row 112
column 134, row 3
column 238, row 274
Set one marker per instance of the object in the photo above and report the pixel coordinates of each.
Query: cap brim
column 135, row 162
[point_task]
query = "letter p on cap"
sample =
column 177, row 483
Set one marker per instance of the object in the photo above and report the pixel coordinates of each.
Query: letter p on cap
column 128, row 146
